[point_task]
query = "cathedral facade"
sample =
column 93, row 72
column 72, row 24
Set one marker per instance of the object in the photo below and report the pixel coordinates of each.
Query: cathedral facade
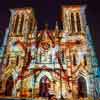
column 40, row 63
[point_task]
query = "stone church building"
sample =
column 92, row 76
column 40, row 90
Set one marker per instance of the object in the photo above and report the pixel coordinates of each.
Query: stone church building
column 40, row 63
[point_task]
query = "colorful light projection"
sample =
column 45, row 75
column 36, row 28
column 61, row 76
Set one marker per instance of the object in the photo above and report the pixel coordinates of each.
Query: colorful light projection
column 43, row 63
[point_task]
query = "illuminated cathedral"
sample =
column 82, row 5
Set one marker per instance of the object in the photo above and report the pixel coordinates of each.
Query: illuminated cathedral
column 39, row 63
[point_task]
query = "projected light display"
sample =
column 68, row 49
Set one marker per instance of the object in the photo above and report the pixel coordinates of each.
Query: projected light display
column 37, row 64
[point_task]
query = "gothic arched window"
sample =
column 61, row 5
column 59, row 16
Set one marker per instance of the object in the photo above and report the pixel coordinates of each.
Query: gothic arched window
column 85, row 60
column 21, row 24
column 16, row 24
column 30, row 24
column 17, row 60
column 72, row 22
column 8, row 59
column 78, row 22
column 74, row 59
column 62, row 56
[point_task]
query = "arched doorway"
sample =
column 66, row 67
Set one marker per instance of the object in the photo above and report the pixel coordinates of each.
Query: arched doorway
column 44, row 86
column 82, row 87
column 9, row 86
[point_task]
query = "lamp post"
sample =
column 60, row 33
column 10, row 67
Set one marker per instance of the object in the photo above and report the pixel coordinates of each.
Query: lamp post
column 61, row 95
column 33, row 81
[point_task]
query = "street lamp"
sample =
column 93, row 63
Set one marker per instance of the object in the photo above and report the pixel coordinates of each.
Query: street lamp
column 61, row 95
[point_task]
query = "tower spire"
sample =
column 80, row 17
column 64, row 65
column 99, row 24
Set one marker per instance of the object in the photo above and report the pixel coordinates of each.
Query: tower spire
column 57, row 27
column 46, row 26
column 35, row 28
column 57, row 30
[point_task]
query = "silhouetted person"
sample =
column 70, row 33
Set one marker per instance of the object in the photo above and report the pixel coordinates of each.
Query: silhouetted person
column 52, row 97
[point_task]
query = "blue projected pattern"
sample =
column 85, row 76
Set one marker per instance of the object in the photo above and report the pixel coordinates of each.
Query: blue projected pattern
column 1, row 51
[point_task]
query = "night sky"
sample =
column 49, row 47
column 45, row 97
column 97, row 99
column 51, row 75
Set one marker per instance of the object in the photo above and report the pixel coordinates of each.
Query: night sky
column 49, row 11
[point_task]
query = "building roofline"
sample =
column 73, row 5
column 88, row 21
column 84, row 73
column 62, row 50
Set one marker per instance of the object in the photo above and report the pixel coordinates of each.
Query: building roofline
column 21, row 8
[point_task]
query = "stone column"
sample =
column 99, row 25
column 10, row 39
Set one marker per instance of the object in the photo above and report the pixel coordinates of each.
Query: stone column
column 81, row 22
column 83, row 18
column 66, row 21
column 12, row 20
column 19, row 23
column 69, row 22
column 25, row 24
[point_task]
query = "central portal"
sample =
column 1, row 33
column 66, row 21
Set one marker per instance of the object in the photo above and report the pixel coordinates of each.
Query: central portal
column 44, row 86
column 82, row 87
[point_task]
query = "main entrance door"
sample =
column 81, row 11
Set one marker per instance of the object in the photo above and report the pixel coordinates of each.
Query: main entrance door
column 44, row 86
column 9, row 86
column 82, row 87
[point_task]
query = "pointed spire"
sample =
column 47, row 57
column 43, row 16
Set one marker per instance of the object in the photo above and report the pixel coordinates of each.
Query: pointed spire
column 57, row 27
column 13, row 12
column 46, row 26
column 35, row 28
column 57, row 30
